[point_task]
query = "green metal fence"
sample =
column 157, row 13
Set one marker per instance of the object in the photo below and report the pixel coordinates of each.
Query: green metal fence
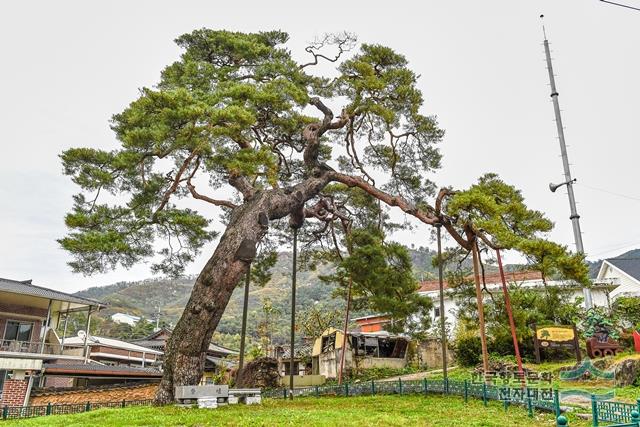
column 13, row 412
column 634, row 420
column 530, row 398
column 604, row 411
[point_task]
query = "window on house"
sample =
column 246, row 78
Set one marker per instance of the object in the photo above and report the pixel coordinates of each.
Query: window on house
column 329, row 343
column 3, row 375
column 436, row 312
column 371, row 346
column 18, row 331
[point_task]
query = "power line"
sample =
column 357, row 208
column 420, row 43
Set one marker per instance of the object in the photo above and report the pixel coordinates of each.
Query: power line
column 621, row 5
column 626, row 245
column 637, row 199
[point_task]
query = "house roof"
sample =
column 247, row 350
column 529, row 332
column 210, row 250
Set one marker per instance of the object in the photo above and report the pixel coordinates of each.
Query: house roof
column 491, row 278
column 631, row 266
column 299, row 351
column 153, row 340
column 383, row 317
column 25, row 287
column 95, row 370
column 111, row 342
column 129, row 316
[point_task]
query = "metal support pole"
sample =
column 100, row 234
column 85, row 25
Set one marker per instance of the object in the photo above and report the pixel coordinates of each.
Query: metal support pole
column 64, row 330
column 86, row 336
column 245, row 308
column 443, row 332
column 293, row 306
column 45, row 328
column 476, row 277
column 345, row 332
column 512, row 323
column 575, row 218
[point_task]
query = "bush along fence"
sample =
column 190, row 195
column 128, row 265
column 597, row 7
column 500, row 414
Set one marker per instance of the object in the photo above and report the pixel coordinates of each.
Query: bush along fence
column 13, row 412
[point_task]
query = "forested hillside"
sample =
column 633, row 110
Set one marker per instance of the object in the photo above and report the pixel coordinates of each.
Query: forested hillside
column 168, row 297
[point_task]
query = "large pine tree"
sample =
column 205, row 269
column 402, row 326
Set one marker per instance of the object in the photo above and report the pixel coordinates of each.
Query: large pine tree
column 238, row 116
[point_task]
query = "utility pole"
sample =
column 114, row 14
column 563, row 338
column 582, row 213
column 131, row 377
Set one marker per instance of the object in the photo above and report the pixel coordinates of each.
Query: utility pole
column 245, row 309
column 575, row 218
column 443, row 331
column 293, row 307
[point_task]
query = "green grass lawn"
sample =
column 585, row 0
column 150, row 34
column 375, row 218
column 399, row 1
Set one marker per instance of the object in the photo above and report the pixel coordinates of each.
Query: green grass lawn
column 324, row 411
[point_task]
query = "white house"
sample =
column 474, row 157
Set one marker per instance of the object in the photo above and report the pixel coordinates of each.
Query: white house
column 623, row 274
column 125, row 318
column 602, row 291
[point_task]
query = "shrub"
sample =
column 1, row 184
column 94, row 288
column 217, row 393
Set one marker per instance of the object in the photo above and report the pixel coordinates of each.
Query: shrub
column 468, row 349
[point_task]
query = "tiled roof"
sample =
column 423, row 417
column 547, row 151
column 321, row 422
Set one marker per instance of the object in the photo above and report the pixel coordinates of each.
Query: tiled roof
column 27, row 288
column 152, row 341
column 93, row 369
column 490, row 279
column 299, row 351
column 631, row 266
column 111, row 342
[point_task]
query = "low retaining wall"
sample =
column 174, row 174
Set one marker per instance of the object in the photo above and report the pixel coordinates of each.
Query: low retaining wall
column 112, row 394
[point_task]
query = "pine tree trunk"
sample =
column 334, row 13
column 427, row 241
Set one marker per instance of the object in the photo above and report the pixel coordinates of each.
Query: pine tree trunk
column 185, row 350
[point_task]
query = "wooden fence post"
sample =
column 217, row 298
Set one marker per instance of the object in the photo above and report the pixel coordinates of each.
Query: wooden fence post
column 466, row 391
column 48, row 409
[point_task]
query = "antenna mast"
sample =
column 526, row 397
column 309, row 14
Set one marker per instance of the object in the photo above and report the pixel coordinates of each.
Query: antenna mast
column 575, row 218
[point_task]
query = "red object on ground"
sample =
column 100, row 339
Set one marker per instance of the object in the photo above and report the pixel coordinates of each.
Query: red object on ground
column 636, row 341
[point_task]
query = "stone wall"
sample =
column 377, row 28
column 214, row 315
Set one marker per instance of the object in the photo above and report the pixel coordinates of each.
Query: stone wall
column 430, row 354
column 14, row 392
column 111, row 394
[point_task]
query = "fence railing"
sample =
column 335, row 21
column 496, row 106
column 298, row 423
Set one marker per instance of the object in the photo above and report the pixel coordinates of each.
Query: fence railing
column 35, row 347
column 13, row 412
column 531, row 398
column 603, row 411
column 614, row 412
column 634, row 418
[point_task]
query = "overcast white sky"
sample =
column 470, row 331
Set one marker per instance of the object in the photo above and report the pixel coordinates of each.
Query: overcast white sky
column 66, row 67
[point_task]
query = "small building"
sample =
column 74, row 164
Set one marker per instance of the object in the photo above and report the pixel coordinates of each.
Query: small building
column 372, row 323
column 600, row 291
column 29, row 318
column 217, row 359
column 125, row 318
column 114, row 352
column 364, row 350
column 301, row 360
column 622, row 274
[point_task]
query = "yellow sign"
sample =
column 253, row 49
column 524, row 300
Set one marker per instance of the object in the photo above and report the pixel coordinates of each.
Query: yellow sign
column 555, row 333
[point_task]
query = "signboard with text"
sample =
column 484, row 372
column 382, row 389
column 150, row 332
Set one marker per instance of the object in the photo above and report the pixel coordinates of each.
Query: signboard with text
column 556, row 336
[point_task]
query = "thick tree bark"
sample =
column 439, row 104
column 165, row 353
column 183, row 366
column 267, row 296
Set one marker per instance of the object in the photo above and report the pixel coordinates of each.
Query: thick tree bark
column 185, row 351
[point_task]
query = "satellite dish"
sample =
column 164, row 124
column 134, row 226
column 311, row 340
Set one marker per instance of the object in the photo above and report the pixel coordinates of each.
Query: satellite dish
column 82, row 334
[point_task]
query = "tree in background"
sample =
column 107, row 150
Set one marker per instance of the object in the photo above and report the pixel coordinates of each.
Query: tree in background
column 316, row 319
column 382, row 281
column 492, row 215
column 234, row 115
column 270, row 316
